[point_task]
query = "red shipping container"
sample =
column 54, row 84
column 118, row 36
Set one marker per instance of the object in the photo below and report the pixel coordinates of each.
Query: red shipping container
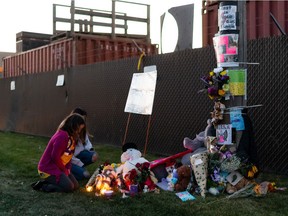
column 78, row 50
column 206, row 3
column 259, row 21
column 209, row 24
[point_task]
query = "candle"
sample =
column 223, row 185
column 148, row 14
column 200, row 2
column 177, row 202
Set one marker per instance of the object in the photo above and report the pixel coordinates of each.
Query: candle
column 89, row 188
column 133, row 190
column 108, row 193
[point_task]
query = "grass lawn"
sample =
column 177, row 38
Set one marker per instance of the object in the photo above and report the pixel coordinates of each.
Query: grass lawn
column 19, row 155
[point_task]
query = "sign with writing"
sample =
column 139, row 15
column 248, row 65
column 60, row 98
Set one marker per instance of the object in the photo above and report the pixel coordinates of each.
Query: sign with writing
column 141, row 94
column 224, row 134
column 227, row 17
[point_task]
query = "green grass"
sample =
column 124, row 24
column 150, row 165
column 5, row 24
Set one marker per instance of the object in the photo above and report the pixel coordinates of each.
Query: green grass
column 19, row 155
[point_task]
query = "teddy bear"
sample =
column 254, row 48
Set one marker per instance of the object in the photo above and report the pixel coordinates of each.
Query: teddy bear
column 230, row 189
column 129, row 158
column 183, row 178
column 132, row 160
column 217, row 114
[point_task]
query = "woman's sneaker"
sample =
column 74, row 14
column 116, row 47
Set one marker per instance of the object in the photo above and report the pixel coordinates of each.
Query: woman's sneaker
column 37, row 185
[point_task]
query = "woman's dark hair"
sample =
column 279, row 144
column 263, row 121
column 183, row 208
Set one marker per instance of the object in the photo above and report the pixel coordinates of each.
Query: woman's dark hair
column 83, row 113
column 79, row 111
column 71, row 123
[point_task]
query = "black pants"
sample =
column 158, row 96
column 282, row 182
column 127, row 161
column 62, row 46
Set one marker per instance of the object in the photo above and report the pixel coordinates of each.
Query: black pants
column 65, row 184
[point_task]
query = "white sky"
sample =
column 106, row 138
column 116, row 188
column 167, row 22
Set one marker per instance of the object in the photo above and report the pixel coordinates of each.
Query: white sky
column 37, row 16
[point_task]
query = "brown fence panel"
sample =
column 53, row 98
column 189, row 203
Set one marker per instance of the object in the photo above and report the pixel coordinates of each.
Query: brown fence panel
column 267, row 85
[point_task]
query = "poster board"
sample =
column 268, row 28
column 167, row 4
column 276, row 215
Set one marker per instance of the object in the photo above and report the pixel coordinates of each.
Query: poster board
column 224, row 134
column 236, row 119
column 141, row 93
column 227, row 15
column 226, row 50
column 238, row 82
column 12, row 85
column 60, row 80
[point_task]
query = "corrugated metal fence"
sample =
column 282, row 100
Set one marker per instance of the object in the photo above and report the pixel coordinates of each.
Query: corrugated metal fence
column 37, row 106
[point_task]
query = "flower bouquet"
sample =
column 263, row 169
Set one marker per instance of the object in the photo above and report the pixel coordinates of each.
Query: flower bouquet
column 256, row 190
column 216, row 83
column 223, row 162
column 139, row 176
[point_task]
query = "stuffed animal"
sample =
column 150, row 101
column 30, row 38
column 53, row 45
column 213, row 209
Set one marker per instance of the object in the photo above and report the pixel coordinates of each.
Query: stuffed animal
column 211, row 143
column 217, row 114
column 230, row 189
column 184, row 178
column 201, row 139
column 172, row 179
column 132, row 159
column 196, row 143
column 129, row 158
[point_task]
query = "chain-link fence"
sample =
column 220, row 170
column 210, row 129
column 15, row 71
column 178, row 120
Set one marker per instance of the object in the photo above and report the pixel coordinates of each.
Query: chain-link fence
column 37, row 105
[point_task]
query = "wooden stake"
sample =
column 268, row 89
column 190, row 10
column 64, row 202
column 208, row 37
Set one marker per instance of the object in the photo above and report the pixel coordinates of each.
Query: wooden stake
column 147, row 135
column 126, row 130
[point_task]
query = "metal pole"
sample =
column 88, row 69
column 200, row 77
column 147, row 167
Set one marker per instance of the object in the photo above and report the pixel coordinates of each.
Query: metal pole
column 242, row 57
column 113, row 19
column 72, row 32
column 243, row 32
column 242, row 50
column 54, row 19
column 236, row 101
column 242, row 54
column 148, row 23
column 72, row 11
column 278, row 25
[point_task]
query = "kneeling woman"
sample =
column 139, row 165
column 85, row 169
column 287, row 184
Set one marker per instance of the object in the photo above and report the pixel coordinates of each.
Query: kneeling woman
column 55, row 164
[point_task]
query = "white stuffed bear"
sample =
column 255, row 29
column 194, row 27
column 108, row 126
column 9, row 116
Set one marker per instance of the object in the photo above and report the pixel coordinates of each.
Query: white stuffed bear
column 129, row 158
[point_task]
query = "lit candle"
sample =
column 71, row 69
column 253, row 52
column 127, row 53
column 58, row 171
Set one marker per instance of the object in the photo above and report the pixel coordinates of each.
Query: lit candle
column 89, row 188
